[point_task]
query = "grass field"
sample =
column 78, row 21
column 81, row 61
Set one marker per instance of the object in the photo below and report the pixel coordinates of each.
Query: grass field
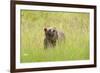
column 74, row 25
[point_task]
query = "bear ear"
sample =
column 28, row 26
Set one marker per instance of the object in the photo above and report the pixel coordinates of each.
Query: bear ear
column 45, row 29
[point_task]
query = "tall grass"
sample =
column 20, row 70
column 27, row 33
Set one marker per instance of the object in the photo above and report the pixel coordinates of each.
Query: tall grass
column 74, row 25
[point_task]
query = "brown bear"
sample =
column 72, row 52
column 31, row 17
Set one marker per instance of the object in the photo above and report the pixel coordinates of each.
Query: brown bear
column 52, row 35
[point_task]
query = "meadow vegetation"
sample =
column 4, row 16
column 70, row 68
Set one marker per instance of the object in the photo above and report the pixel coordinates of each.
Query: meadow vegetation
column 74, row 25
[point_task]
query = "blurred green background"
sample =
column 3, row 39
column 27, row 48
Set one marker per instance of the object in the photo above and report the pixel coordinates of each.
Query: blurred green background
column 74, row 25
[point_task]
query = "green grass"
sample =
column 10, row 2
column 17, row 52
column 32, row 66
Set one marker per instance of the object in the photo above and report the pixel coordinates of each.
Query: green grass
column 74, row 25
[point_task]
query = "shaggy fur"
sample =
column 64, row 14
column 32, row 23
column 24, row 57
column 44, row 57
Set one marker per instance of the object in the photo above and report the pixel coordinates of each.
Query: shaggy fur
column 52, row 36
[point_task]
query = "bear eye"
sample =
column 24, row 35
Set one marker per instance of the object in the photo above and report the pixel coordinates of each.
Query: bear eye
column 53, row 30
